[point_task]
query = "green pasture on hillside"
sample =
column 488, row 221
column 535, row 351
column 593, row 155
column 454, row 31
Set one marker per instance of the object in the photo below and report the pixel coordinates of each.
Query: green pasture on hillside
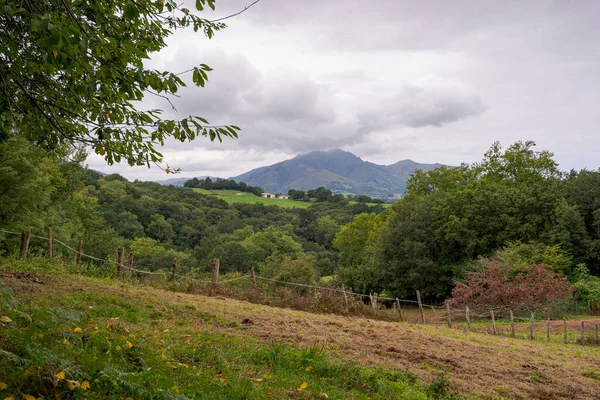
column 235, row 196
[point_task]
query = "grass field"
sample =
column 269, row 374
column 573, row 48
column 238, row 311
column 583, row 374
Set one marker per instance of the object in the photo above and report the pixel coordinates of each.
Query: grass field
column 75, row 337
column 128, row 340
column 234, row 196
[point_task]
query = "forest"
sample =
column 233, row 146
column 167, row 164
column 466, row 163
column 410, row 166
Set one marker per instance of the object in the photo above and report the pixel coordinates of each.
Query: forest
column 515, row 207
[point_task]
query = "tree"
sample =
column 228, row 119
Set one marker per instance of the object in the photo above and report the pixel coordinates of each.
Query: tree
column 72, row 72
column 491, row 285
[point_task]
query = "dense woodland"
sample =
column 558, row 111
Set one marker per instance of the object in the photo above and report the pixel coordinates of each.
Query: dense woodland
column 514, row 206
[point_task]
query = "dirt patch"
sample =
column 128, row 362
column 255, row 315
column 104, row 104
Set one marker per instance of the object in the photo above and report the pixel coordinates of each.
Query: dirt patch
column 477, row 363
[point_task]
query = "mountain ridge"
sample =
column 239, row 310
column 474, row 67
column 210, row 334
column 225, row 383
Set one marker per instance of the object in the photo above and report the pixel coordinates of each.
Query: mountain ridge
column 337, row 170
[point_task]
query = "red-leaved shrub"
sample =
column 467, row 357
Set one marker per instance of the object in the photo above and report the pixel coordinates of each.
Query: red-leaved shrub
column 495, row 286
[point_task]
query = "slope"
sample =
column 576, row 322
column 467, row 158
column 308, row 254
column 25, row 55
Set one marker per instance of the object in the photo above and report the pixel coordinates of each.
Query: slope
column 489, row 366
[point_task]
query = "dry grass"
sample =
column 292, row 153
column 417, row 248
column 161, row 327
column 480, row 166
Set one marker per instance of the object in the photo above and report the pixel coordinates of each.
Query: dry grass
column 489, row 366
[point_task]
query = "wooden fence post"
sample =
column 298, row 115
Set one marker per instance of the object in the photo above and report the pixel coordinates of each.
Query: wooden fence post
column 174, row 269
column 371, row 299
column 119, row 262
column 565, row 328
column 375, row 295
column 25, row 236
column 79, row 251
column 399, row 307
column 215, row 274
column 468, row 317
column 512, row 324
column 130, row 259
column 493, row 323
column 345, row 296
column 449, row 315
column 582, row 332
column 420, row 306
column 253, row 276
column 50, row 242
column 548, row 329
column 531, row 326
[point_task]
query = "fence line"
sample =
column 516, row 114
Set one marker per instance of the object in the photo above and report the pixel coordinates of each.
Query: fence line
column 454, row 316
column 230, row 280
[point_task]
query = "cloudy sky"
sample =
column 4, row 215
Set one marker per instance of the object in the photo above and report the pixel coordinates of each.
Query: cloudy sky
column 433, row 81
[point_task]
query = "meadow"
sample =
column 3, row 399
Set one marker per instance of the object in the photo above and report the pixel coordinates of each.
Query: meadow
column 71, row 335
column 235, row 196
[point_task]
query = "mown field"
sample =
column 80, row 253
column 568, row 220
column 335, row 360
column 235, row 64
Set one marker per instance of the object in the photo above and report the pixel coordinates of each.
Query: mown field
column 73, row 337
column 127, row 340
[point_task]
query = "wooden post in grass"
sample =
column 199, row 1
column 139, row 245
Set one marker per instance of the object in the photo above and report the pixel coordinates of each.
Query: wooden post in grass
column 449, row 315
column 582, row 332
column 468, row 317
column 375, row 295
column 25, row 236
column 215, row 274
column 49, row 242
column 512, row 324
column 79, row 251
column 565, row 328
column 174, row 269
column 130, row 260
column 371, row 299
column 420, row 306
column 548, row 329
column 345, row 296
column 531, row 326
column 399, row 308
column 119, row 262
column 253, row 276
column 493, row 323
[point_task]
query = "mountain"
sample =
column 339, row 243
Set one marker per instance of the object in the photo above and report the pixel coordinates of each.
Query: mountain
column 337, row 170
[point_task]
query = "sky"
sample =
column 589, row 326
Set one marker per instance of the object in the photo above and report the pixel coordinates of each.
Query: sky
column 431, row 81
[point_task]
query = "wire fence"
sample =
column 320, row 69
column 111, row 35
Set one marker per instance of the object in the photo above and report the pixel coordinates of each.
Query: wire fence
column 500, row 321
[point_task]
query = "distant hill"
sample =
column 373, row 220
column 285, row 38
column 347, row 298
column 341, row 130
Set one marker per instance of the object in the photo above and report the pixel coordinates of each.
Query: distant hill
column 337, row 170
column 179, row 181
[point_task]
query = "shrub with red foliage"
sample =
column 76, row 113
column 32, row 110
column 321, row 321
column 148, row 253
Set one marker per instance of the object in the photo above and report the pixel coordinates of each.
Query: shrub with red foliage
column 496, row 286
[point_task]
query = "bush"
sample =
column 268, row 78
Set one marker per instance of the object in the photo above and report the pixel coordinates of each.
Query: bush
column 493, row 285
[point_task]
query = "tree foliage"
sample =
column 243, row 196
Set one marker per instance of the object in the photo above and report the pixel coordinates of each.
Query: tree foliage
column 493, row 286
column 73, row 73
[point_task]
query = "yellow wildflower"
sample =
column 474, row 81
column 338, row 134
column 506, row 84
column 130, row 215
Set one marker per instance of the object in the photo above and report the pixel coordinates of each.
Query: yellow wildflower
column 60, row 375
column 85, row 385
column 72, row 385
column 303, row 386
column 308, row 368
column 128, row 345
column 77, row 330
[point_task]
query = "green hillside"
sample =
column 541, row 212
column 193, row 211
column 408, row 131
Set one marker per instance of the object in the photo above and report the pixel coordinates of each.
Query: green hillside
column 234, row 196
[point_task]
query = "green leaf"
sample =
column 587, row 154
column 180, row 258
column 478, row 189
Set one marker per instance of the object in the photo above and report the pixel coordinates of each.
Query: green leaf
column 131, row 11
column 39, row 24
column 199, row 5
column 51, row 42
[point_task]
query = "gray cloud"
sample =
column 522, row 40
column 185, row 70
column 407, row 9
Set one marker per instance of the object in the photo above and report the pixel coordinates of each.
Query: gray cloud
column 429, row 80
column 429, row 102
